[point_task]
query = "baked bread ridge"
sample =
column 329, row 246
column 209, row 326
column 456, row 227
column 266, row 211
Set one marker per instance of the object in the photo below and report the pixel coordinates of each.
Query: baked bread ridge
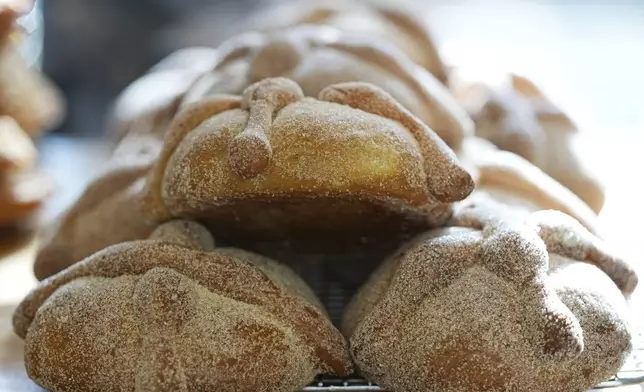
column 23, row 187
column 146, row 106
column 561, row 233
column 316, row 56
column 397, row 25
column 448, row 311
column 109, row 210
column 21, row 194
column 17, row 150
column 510, row 179
column 518, row 117
column 161, row 314
column 226, row 149
column 27, row 95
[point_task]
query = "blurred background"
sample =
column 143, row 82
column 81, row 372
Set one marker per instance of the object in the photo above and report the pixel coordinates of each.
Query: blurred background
column 587, row 55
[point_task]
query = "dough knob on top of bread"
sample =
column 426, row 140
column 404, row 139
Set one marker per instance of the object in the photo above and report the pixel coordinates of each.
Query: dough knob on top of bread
column 175, row 313
column 559, row 232
column 318, row 56
column 250, row 152
column 270, row 165
column 517, row 256
column 493, row 305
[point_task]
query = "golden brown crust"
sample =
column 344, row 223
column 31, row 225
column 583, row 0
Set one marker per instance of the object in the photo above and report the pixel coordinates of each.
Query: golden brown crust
column 406, row 20
column 175, row 317
column 317, row 56
column 565, row 236
column 27, row 95
column 561, row 234
column 109, row 211
column 21, row 194
column 147, row 106
column 17, row 151
column 184, row 122
column 224, row 158
column 512, row 180
column 516, row 116
column 492, row 307
column 439, row 159
column 395, row 25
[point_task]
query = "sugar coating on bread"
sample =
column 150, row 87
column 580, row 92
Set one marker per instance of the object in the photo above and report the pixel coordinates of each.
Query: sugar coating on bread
column 318, row 56
column 163, row 315
column 487, row 308
column 397, row 25
column 565, row 236
column 511, row 180
column 147, row 105
column 273, row 162
column 27, row 95
column 517, row 116
column 448, row 181
column 108, row 211
column 561, row 234
column 21, row 194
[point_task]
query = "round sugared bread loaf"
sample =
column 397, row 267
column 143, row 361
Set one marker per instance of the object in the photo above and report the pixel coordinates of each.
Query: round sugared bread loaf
column 350, row 167
column 494, row 306
column 173, row 313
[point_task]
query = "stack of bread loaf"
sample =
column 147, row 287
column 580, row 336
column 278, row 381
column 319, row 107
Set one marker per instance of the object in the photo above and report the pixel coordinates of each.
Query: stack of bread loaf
column 329, row 132
column 29, row 104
